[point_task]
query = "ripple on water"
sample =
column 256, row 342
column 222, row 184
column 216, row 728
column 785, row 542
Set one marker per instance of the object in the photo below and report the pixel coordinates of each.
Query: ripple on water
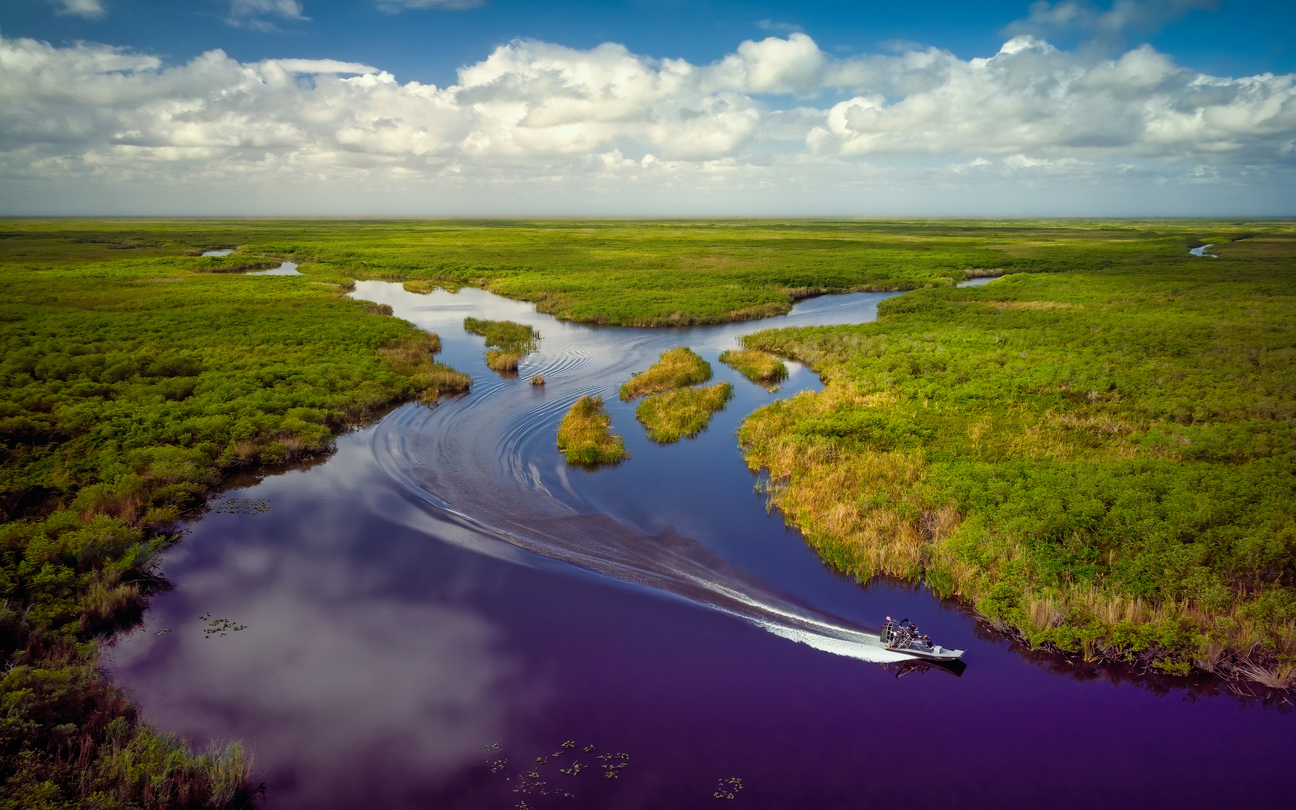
column 509, row 479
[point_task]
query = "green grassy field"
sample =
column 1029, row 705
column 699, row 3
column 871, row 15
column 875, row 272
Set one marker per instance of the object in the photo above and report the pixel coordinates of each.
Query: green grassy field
column 644, row 273
column 1096, row 450
column 131, row 384
column 1101, row 460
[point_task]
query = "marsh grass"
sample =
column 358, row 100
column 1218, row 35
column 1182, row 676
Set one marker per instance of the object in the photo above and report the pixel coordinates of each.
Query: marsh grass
column 760, row 367
column 507, row 343
column 420, row 286
column 1100, row 460
column 1102, row 463
column 503, row 361
column 413, row 358
column 673, row 415
column 506, row 335
column 676, row 368
column 537, row 379
column 585, row 435
column 124, row 402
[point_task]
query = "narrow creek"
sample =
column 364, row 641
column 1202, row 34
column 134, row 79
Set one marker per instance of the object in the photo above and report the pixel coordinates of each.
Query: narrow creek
column 443, row 613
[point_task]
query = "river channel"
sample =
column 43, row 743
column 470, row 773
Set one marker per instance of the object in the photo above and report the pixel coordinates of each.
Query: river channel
column 444, row 614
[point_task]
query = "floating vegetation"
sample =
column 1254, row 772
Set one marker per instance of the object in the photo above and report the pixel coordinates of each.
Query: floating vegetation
column 613, row 763
column 676, row 368
column 585, row 434
column 549, row 774
column 537, row 379
column 242, row 506
column 760, row 367
column 676, row 414
column 219, row 627
column 728, row 788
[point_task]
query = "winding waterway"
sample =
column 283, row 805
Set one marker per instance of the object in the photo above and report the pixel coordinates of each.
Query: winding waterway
column 445, row 584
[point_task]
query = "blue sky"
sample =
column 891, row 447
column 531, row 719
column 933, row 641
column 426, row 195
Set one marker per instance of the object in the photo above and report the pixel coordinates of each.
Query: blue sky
column 1240, row 37
column 1139, row 107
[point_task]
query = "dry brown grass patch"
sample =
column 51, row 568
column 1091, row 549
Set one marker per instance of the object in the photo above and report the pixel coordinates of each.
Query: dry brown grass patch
column 1031, row 305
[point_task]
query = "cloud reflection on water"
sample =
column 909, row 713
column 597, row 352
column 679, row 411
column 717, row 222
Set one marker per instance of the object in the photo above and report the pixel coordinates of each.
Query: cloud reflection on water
column 329, row 670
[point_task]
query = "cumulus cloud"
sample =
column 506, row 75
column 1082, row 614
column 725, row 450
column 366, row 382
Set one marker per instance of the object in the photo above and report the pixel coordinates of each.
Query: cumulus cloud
column 90, row 9
column 539, row 112
column 1032, row 98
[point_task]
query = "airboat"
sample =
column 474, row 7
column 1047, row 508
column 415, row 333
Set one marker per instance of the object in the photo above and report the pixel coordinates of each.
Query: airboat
column 905, row 637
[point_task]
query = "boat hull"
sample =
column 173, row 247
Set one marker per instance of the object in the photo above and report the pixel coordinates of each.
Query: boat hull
column 937, row 653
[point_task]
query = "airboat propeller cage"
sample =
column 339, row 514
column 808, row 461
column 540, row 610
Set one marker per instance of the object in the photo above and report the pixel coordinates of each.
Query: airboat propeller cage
column 904, row 637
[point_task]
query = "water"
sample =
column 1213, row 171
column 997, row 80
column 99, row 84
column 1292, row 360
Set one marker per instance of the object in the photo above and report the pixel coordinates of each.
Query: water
column 285, row 269
column 445, row 583
column 221, row 252
column 1201, row 251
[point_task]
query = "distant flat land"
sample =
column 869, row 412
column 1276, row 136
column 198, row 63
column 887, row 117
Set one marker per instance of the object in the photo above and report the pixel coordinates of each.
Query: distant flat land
column 641, row 273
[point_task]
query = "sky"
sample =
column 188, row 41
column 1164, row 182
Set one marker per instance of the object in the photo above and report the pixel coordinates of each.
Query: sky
column 647, row 108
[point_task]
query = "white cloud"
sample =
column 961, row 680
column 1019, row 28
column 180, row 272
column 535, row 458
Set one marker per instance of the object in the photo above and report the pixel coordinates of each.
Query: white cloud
column 773, row 65
column 395, row 6
column 90, row 9
column 782, row 27
column 539, row 113
column 1124, row 16
column 317, row 66
column 1032, row 98
column 252, row 13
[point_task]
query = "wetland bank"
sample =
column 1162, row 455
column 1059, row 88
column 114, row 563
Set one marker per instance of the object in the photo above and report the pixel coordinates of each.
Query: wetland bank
column 418, row 610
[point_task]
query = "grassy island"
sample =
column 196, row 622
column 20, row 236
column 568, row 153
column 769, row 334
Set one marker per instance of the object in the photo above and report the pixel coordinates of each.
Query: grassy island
column 134, row 378
column 508, row 342
column 585, row 435
column 675, row 369
column 686, row 412
column 760, row 367
column 1102, row 461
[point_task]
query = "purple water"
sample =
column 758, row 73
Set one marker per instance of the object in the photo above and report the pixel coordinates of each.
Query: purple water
column 445, row 583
